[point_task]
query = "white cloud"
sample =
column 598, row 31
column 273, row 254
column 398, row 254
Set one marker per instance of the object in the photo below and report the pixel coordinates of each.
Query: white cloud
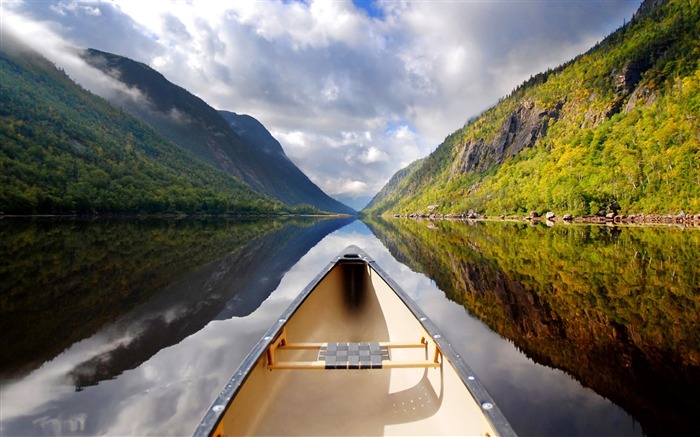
column 354, row 187
column 350, row 97
column 372, row 155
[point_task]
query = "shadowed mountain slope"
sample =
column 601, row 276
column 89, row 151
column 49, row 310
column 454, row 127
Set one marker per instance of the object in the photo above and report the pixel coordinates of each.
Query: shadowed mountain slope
column 289, row 183
column 254, row 157
column 65, row 150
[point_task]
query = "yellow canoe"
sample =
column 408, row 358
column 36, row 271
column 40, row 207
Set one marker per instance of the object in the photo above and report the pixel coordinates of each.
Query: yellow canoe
column 353, row 355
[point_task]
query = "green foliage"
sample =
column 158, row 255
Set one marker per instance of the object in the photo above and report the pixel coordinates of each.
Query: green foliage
column 96, row 271
column 625, row 129
column 618, row 308
column 64, row 279
column 66, row 151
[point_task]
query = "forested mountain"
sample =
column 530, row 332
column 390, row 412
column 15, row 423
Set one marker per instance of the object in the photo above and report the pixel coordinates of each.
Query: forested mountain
column 65, row 150
column 385, row 194
column 617, row 126
column 254, row 157
column 286, row 181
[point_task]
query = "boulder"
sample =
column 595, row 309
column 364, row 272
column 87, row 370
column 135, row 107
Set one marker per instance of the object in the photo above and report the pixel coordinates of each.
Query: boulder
column 614, row 207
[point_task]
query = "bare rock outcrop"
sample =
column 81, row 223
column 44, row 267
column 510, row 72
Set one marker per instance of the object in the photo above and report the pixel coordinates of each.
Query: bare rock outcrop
column 520, row 130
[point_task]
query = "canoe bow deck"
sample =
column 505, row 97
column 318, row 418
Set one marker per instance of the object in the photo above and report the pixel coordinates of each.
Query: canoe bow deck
column 353, row 355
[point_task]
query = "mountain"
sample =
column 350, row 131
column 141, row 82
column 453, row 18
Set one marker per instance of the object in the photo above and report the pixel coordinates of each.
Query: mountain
column 287, row 182
column 615, row 128
column 65, row 150
column 385, row 194
column 354, row 201
column 254, row 157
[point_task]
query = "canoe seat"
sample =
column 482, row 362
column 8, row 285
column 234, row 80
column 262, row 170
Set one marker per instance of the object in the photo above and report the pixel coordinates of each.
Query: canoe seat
column 346, row 355
column 353, row 355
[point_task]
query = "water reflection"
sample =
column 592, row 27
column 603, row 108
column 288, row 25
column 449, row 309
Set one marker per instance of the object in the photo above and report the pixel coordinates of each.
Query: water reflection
column 170, row 387
column 619, row 309
column 168, row 393
column 144, row 285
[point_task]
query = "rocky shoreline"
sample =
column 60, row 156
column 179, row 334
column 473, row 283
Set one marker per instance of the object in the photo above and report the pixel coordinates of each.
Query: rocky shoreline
column 681, row 218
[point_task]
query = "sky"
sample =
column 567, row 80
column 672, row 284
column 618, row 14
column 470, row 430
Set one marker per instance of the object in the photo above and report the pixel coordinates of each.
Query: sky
column 353, row 90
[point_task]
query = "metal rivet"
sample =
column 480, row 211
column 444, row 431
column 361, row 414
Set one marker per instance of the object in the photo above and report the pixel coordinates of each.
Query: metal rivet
column 423, row 319
column 282, row 320
column 267, row 338
column 471, row 378
column 437, row 336
column 218, row 408
column 487, row 405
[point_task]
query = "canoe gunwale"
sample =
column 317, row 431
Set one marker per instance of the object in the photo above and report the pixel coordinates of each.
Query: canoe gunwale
column 354, row 255
column 216, row 411
column 466, row 374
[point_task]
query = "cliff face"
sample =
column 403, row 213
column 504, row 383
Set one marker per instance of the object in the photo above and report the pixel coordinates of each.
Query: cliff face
column 613, row 126
column 521, row 129
column 647, row 6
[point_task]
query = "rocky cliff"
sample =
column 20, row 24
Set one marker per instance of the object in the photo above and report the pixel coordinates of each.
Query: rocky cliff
column 616, row 125
column 521, row 129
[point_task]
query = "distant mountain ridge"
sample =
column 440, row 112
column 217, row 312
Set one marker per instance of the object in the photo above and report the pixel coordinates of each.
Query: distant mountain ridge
column 289, row 183
column 615, row 128
column 253, row 155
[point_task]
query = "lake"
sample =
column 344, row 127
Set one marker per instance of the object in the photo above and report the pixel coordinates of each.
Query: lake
column 133, row 326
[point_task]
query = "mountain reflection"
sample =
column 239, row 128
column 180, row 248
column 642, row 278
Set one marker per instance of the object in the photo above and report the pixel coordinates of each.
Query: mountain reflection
column 141, row 284
column 617, row 308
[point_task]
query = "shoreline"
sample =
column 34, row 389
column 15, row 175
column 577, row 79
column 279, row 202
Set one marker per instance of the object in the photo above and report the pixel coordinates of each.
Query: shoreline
column 689, row 220
column 165, row 216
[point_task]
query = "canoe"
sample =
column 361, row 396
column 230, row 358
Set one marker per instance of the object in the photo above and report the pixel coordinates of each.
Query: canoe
column 353, row 355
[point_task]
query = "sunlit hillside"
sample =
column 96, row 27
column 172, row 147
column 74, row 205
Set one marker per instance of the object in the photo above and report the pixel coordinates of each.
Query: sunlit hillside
column 617, row 126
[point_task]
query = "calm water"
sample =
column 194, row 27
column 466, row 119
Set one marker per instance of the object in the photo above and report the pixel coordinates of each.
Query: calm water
column 132, row 327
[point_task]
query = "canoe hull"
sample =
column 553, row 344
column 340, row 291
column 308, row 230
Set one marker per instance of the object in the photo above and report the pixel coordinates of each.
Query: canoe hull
column 291, row 385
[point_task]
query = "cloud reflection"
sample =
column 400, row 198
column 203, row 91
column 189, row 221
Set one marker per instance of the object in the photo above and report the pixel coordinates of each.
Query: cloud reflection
column 168, row 394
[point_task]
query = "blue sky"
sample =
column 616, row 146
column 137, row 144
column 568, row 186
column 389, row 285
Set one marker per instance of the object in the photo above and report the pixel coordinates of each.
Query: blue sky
column 353, row 90
column 371, row 7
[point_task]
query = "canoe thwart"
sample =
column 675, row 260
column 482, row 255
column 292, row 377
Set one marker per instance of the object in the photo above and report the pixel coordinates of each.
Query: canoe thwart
column 348, row 355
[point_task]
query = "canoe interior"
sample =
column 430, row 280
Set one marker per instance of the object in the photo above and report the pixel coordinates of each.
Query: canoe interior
column 353, row 303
